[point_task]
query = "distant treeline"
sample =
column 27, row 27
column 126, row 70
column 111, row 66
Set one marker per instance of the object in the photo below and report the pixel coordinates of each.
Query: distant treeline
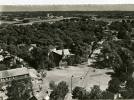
column 108, row 14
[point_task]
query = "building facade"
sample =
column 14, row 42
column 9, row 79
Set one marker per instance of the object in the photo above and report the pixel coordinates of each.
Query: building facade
column 7, row 76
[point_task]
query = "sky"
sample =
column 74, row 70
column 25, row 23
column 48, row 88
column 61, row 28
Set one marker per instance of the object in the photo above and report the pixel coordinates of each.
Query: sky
column 119, row 7
column 50, row 2
column 53, row 5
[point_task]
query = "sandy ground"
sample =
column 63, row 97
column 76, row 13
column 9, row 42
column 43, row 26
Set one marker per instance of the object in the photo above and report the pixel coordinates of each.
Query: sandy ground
column 83, row 76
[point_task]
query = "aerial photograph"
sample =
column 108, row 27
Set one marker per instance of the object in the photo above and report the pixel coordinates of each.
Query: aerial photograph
column 67, row 52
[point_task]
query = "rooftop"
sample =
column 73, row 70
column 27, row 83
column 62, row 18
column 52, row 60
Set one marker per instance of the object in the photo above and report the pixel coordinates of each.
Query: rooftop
column 64, row 51
column 13, row 72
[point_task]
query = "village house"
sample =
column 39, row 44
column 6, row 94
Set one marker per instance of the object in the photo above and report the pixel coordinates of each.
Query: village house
column 59, row 56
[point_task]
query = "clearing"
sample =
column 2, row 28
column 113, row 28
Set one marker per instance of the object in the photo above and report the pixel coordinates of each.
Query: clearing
column 83, row 76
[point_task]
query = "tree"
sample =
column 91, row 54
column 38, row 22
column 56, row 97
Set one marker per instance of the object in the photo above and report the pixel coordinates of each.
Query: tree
column 95, row 92
column 128, row 93
column 3, row 67
column 60, row 92
column 116, row 55
column 12, row 49
column 113, row 85
column 52, row 85
column 62, row 34
column 39, row 57
column 49, row 63
column 107, row 95
column 80, row 94
column 19, row 90
column 70, row 60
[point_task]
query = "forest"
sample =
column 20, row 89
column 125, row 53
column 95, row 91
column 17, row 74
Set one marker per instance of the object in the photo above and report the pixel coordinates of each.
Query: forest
column 81, row 37
column 76, row 36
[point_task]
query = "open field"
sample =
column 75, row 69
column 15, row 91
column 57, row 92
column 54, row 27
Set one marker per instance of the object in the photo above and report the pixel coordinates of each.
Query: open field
column 83, row 76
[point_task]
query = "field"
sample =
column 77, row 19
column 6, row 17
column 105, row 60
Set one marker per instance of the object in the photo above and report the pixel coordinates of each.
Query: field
column 83, row 76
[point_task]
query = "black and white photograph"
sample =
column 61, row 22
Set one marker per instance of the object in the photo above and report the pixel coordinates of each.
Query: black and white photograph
column 66, row 50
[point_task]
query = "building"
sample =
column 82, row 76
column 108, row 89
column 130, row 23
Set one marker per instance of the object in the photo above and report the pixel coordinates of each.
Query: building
column 59, row 56
column 13, row 74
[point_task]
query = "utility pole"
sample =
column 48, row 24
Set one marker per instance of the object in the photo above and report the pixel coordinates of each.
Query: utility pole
column 126, row 69
column 71, row 83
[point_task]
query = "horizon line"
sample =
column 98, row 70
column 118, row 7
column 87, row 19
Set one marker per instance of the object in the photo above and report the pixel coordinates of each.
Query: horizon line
column 64, row 7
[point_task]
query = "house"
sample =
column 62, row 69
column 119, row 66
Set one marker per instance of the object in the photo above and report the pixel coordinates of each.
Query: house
column 59, row 56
